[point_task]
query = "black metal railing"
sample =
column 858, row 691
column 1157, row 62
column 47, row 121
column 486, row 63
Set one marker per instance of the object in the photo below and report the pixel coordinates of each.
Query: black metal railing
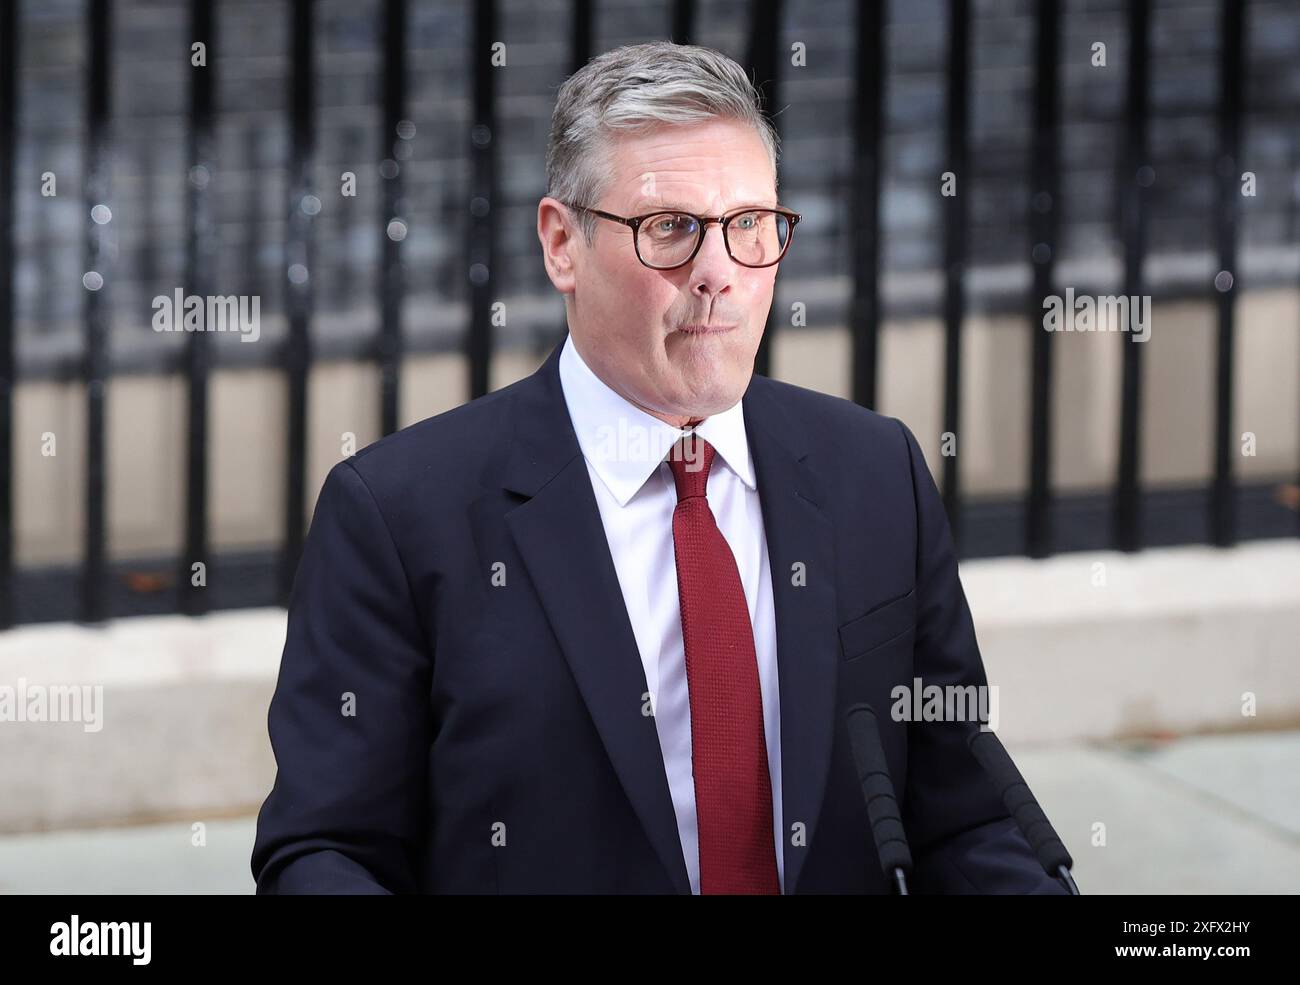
column 8, row 155
column 1030, row 524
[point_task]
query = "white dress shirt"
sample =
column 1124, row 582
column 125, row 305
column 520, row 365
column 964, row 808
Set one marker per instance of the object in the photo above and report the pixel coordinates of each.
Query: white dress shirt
column 624, row 448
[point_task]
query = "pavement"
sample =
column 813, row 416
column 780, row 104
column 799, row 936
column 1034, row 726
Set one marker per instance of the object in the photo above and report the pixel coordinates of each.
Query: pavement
column 1215, row 814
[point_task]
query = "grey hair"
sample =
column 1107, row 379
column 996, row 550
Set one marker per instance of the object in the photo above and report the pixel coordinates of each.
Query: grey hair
column 635, row 88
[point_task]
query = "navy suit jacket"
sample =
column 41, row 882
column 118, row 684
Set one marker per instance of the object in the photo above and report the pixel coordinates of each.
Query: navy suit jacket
column 461, row 706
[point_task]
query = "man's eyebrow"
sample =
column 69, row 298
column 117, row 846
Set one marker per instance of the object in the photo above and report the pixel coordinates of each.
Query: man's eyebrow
column 658, row 203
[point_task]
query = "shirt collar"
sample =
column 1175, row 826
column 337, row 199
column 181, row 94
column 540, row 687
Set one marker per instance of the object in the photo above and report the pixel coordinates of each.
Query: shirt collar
column 624, row 444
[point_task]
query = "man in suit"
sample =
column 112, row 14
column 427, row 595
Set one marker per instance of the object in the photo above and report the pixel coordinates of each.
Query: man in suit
column 596, row 632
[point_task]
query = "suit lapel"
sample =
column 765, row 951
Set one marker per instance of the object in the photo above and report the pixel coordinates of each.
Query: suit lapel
column 800, row 534
column 561, row 539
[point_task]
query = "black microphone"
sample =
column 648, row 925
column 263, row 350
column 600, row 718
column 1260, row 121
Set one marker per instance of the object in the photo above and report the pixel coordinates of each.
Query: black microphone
column 878, row 791
column 987, row 748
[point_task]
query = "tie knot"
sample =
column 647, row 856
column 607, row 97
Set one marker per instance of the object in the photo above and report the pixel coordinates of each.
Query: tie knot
column 690, row 459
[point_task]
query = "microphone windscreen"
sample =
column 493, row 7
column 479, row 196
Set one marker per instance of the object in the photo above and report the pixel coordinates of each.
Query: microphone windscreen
column 877, row 789
column 987, row 748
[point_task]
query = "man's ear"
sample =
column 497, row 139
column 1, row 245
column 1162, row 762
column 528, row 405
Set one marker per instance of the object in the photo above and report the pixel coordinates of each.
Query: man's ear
column 560, row 239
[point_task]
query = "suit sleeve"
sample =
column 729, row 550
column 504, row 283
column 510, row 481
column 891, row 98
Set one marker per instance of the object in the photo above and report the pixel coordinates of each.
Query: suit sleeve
column 961, row 836
column 349, row 721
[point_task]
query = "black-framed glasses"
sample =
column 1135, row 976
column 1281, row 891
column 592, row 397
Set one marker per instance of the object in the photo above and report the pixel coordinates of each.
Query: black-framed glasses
column 667, row 239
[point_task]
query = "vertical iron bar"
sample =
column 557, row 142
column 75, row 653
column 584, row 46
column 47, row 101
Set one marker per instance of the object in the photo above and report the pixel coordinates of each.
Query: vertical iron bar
column 97, row 313
column 392, row 282
column 582, row 27
column 254, row 209
column 298, row 261
column 764, row 36
column 1044, row 220
column 201, row 254
column 9, row 53
column 954, row 248
column 1134, row 181
column 868, row 129
column 1223, row 518
column 683, row 21
column 482, row 250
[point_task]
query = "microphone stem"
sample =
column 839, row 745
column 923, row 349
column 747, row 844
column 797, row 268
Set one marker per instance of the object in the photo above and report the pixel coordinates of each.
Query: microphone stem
column 900, row 882
column 1064, row 874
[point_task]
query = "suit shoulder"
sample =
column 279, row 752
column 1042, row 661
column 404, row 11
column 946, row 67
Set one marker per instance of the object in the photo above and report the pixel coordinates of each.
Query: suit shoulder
column 833, row 418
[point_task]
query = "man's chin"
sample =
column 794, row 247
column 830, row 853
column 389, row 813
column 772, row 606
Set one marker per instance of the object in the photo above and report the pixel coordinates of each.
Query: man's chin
column 707, row 401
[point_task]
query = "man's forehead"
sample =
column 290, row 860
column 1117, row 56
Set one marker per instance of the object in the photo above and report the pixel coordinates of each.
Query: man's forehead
column 694, row 201
column 662, row 169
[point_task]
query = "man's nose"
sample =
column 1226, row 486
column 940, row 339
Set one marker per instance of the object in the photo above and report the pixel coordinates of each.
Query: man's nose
column 712, row 268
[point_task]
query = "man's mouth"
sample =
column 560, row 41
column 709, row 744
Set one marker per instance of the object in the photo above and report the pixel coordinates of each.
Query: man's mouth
column 705, row 329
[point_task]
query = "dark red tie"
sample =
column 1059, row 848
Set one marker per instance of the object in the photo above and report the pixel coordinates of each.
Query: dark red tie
column 733, row 793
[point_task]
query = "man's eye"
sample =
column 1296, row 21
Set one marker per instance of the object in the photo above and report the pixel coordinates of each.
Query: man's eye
column 670, row 224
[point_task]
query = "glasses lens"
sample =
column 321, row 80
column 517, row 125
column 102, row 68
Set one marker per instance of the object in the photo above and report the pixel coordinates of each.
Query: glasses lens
column 667, row 239
column 758, row 238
